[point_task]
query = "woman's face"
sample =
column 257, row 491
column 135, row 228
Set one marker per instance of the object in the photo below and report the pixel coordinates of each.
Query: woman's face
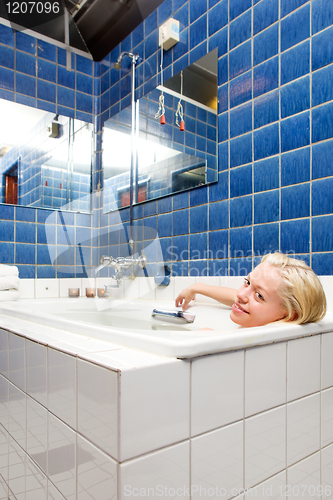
column 257, row 302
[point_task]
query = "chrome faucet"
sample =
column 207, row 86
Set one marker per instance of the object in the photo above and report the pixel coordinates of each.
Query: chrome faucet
column 120, row 264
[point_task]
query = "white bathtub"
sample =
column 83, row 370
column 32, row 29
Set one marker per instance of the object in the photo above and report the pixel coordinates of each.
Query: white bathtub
column 130, row 323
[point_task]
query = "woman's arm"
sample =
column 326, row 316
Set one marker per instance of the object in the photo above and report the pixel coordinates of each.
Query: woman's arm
column 222, row 294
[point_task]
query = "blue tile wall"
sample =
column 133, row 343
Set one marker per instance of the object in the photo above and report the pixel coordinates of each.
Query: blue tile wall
column 275, row 135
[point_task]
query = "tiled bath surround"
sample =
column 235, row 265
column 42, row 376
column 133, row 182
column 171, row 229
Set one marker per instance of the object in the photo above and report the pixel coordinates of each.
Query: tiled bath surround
column 275, row 128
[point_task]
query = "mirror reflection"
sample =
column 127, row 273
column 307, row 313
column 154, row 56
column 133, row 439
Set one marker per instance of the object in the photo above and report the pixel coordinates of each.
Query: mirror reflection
column 45, row 159
column 167, row 159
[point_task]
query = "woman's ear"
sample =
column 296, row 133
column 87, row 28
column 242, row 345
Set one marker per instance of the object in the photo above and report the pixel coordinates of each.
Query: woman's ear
column 294, row 316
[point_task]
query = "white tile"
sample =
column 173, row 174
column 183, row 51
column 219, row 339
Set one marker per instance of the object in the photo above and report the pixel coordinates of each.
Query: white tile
column 265, row 445
column 17, row 470
column 265, row 377
column 46, row 288
column 4, row 495
column 303, row 479
column 66, row 283
column 53, row 493
column 327, row 365
column 36, row 370
column 35, row 482
column 217, row 393
column 217, row 462
column 303, row 428
column 4, row 401
column 273, row 489
column 17, row 373
column 154, row 407
column 98, row 406
column 37, row 433
column 4, row 450
column 147, row 288
column 96, row 473
column 212, row 281
column 61, row 371
column 166, row 292
column 163, row 474
column 182, row 282
column 27, row 288
column 303, row 368
column 326, row 417
column 61, row 457
column 17, row 420
column 4, row 350
column 327, row 472
column 131, row 289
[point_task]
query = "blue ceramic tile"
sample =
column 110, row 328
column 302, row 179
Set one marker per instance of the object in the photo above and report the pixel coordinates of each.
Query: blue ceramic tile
column 266, row 109
column 66, row 78
column 295, row 132
column 240, row 60
column 241, row 181
column 266, row 174
column 46, row 91
column 150, row 208
column 43, row 254
column 322, row 88
column 222, row 70
column 181, row 222
column 6, row 79
column 219, row 191
column 150, row 24
column 237, row 7
column 266, row 207
column 218, row 215
column 137, row 35
column 84, row 83
column 7, row 57
column 47, row 70
column 240, row 242
column 322, row 234
column 46, row 272
column 295, row 201
column 240, row 266
column 24, row 253
column 322, row 122
column 65, row 97
column 198, row 268
column 62, row 58
column 288, row 6
column 241, row 211
column 322, row 15
column 198, row 219
column 295, row 236
column 197, row 9
column 241, row 120
column 25, row 43
column 84, row 65
column 218, row 17
column 180, row 248
column 6, row 231
column 164, row 205
column 295, row 63
column 266, row 77
column 322, row 155
column 223, row 98
column 65, row 256
column 295, row 167
column 164, row 11
column 198, row 196
column 265, row 239
column 295, row 28
column 219, row 40
column 25, row 85
column 181, row 47
column 265, row 14
column 180, row 268
column 295, row 97
column 223, row 128
column 241, row 150
column 322, row 49
column 6, row 36
column 218, row 267
column 26, row 100
column 7, row 253
column 266, row 142
column 240, row 90
column 322, row 264
column 322, row 200
column 198, row 246
column 198, row 31
column 165, row 225
column 266, row 45
column 25, row 214
column 240, row 30
column 218, row 244
column 46, row 51
column 182, row 17
column 26, row 272
column 6, row 212
column 84, row 102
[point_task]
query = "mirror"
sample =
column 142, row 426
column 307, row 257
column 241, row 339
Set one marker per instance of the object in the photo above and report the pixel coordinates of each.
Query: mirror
column 167, row 159
column 45, row 159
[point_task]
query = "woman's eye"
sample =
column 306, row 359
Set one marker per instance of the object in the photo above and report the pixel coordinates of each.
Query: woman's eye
column 260, row 296
column 246, row 282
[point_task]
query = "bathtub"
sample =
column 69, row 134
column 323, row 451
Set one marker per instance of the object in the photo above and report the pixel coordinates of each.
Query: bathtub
column 130, row 323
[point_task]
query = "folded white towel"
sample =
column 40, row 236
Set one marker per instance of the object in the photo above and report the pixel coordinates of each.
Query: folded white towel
column 9, row 283
column 9, row 295
column 8, row 270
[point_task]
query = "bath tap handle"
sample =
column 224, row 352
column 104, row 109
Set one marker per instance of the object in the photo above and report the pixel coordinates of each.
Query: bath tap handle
column 169, row 314
column 105, row 261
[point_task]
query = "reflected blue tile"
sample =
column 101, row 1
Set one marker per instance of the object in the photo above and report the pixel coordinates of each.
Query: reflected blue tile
column 241, row 242
column 322, row 165
column 65, row 97
column 295, row 201
column 266, row 207
column 6, row 36
column 265, row 14
column 266, row 45
column 7, row 57
column 198, row 31
column 322, row 49
column 265, row 239
column 322, row 234
column 66, row 78
column 25, row 85
column 217, row 17
column 266, row 142
column 295, row 97
column 25, row 43
column 240, row 90
column 84, row 65
column 237, row 7
column 198, row 246
column 295, row 63
column 241, row 120
column 322, row 88
column 322, row 122
column 295, row 167
column 241, row 150
column 240, row 60
column 266, row 174
column 218, row 244
column 266, row 109
column 295, row 28
column 322, row 199
column 240, row 30
column 218, row 215
column 46, row 50
column 6, row 79
column 322, row 15
column 46, row 91
column 295, row 132
column 322, row 264
column 295, row 236
column 47, row 70
column 241, row 181
column 241, row 211
column 288, row 6
column 266, row 77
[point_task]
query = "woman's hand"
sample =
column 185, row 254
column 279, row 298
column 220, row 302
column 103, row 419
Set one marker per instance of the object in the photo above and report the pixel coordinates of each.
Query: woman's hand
column 185, row 297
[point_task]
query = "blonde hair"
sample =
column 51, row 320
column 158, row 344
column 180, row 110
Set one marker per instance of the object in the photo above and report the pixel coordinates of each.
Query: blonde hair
column 301, row 293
